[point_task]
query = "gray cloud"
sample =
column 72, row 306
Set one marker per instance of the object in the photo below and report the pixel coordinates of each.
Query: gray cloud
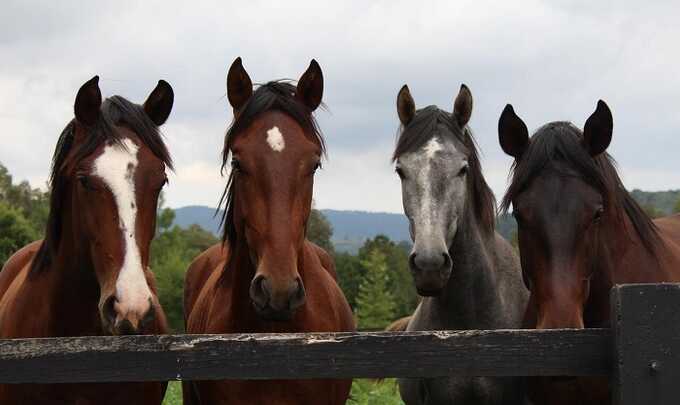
column 550, row 60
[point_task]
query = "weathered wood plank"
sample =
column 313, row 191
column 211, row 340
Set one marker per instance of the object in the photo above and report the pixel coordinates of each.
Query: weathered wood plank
column 646, row 326
column 317, row 355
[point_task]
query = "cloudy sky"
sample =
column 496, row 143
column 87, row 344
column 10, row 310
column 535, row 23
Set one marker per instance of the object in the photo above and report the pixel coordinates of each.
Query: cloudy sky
column 551, row 60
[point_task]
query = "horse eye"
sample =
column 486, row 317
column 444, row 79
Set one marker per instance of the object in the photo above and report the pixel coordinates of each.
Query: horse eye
column 400, row 172
column 317, row 166
column 463, row 171
column 517, row 216
column 235, row 164
column 84, row 181
column 598, row 214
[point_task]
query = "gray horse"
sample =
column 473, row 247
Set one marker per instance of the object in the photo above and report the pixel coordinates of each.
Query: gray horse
column 468, row 274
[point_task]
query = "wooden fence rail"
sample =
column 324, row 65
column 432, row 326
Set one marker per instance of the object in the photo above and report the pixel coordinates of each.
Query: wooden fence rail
column 640, row 353
column 316, row 355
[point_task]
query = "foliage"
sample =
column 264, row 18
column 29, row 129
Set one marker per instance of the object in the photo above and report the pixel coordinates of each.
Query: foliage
column 400, row 282
column 350, row 272
column 652, row 211
column 370, row 392
column 31, row 202
column 319, row 230
column 15, row 231
column 171, row 253
column 23, row 214
column 375, row 303
column 676, row 209
column 173, row 396
column 663, row 201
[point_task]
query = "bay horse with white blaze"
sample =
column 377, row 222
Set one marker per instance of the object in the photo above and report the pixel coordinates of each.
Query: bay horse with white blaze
column 468, row 274
column 89, row 275
column 265, row 276
column 580, row 233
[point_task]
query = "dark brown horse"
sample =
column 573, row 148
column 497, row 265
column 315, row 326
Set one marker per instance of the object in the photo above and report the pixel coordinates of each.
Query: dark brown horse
column 580, row 232
column 265, row 276
column 90, row 274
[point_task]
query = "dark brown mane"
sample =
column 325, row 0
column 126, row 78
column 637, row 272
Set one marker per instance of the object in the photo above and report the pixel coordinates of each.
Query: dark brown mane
column 559, row 145
column 422, row 128
column 271, row 96
column 115, row 111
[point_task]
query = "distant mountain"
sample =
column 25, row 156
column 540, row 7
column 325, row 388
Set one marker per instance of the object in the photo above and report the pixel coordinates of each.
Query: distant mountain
column 200, row 215
column 352, row 228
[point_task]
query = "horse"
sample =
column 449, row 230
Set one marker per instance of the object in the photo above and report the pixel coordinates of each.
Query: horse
column 265, row 276
column 89, row 275
column 468, row 275
column 579, row 232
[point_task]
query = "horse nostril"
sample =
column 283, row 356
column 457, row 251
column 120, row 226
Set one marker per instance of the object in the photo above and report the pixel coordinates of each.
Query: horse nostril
column 412, row 261
column 109, row 311
column 260, row 291
column 149, row 317
column 447, row 260
column 298, row 297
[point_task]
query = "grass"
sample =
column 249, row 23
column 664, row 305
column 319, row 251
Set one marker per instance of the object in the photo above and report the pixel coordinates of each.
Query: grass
column 364, row 392
column 173, row 396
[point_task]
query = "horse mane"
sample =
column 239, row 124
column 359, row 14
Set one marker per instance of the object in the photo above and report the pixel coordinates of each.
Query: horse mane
column 271, row 96
column 421, row 129
column 562, row 142
column 115, row 111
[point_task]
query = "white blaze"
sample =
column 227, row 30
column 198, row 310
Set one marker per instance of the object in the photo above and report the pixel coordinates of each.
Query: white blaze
column 275, row 139
column 431, row 149
column 117, row 166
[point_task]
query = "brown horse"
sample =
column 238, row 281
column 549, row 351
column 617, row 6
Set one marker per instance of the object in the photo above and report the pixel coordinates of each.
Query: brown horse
column 265, row 276
column 90, row 274
column 580, row 232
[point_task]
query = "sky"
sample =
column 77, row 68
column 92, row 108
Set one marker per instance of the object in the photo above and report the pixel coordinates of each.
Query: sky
column 550, row 60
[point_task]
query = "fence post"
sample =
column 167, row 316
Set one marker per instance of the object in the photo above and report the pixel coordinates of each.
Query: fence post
column 646, row 328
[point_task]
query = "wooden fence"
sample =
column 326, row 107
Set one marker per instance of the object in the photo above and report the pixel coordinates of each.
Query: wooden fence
column 641, row 353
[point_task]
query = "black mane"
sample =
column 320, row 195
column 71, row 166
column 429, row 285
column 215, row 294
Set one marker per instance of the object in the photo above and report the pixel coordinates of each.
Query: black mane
column 562, row 142
column 115, row 111
column 421, row 129
column 271, row 96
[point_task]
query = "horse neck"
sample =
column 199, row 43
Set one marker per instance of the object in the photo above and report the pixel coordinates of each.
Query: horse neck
column 471, row 298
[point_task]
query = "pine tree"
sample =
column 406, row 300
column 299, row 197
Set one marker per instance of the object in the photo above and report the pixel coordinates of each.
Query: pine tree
column 375, row 303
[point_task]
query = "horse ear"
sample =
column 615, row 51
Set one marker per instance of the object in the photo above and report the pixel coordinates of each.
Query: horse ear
column 597, row 133
column 310, row 86
column 88, row 102
column 159, row 103
column 239, row 85
column 512, row 133
column 406, row 107
column 462, row 107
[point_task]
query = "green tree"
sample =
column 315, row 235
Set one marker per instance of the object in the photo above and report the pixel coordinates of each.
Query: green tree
column 166, row 217
column 400, row 282
column 31, row 202
column 652, row 211
column 15, row 231
column 375, row 304
column 676, row 209
column 350, row 272
column 319, row 230
column 172, row 250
